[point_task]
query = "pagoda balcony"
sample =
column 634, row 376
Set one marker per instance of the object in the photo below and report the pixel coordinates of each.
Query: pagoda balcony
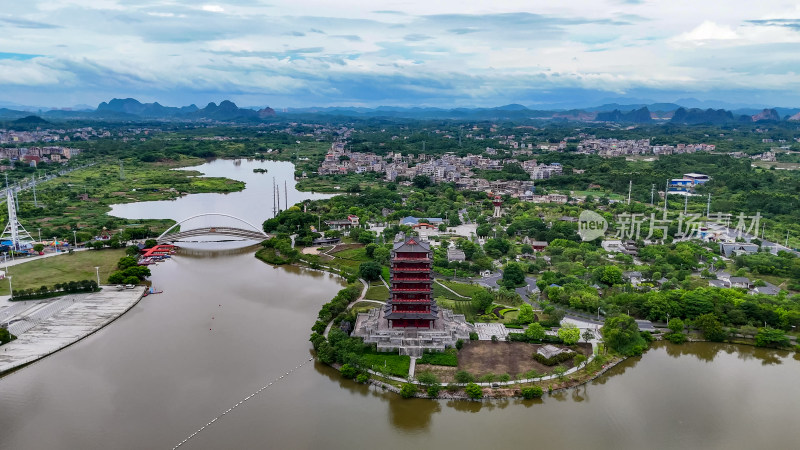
column 417, row 268
column 411, row 258
column 411, row 300
column 414, row 278
column 420, row 289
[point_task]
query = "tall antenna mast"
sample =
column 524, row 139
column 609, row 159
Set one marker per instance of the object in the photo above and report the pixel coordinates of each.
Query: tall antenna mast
column 14, row 231
column 708, row 206
column 35, row 203
column 666, row 191
column 685, row 203
column 630, row 187
column 274, row 201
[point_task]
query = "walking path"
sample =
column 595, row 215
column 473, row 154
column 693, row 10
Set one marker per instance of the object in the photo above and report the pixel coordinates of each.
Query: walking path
column 360, row 298
column 69, row 325
column 454, row 292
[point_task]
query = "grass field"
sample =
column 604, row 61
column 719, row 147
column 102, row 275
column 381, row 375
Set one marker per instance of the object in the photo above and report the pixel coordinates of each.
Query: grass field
column 467, row 290
column 390, row 363
column 63, row 268
column 377, row 291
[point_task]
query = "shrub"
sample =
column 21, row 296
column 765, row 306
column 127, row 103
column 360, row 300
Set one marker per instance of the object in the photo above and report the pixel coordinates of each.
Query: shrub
column 675, row 338
column 408, row 390
column 451, row 387
column 488, row 378
column 349, row 371
column 771, row 337
column 532, row 392
column 473, row 336
column 428, row 378
column 459, row 344
column 362, row 378
column 559, row 358
column 433, row 390
column 462, row 376
column 504, row 377
column 473, row 391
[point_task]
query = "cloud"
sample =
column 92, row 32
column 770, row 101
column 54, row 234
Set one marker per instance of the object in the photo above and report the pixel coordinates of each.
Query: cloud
column 17, row 56
column 23, row 23
column 786, row 23
column 463, row 30
column 708, row 31
column 213, row 8
column 417, row 37
column 349, row 37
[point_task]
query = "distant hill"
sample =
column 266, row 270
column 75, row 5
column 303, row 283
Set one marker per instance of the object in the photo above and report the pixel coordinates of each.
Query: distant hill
column 766, row 114
column 30, row 120
column 641, row 115
column 135, row 107
column 695, row 116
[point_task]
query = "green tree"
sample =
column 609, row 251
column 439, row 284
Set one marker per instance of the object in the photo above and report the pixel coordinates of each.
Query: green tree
column 676, row 325
column 349, row 371
column 381, row 255
column 608, row 275
column 126, row 262
column 370, row 270
column 588, row 335
column 569, row 333
column 462, row 376
column 38, row 248
column 711, row 327
column 6, row 336
column 532, row 392
column 473, row 391
column 132, row 250
column 369, row 249
column 513, row 276
column 535, row 331
column 559, row 371
column 621, row 334
column 482, row 300
column 525, row 314
column 422, row 181
column 408, row 390
column 771, row 337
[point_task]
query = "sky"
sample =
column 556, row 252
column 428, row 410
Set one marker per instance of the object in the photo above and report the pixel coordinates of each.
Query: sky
column 443, row 53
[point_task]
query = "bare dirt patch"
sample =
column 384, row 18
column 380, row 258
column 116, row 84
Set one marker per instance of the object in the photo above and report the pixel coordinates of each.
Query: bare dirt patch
column 445, row 373
column 514, row 358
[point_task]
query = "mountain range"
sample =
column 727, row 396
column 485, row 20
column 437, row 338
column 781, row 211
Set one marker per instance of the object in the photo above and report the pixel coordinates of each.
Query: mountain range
column 130, row 109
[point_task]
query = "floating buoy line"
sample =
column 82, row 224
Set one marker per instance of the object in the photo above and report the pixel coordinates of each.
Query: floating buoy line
column 240, row 403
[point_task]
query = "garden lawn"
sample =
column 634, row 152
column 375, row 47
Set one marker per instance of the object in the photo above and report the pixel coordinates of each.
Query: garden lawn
column 389, row 363
column 377, row 291
column 63, row 268
column 467, row 290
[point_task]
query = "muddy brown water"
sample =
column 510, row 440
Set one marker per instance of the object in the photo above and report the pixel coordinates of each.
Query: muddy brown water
column 228, row 324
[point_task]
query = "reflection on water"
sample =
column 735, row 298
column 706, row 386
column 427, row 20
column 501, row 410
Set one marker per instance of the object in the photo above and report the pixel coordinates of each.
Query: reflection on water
column 707, row 352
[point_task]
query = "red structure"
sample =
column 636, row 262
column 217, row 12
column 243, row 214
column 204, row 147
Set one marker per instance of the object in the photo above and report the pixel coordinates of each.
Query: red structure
column 411, row 302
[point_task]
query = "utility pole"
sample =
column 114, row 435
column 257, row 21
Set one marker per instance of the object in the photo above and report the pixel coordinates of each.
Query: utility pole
column 666, row 190
column 285, row 196
column 35, row 203
column 652, row 193
column 686, row 203
column 708, row 206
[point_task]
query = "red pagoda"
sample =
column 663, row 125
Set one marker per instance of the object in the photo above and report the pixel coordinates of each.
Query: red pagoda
column 411, row 302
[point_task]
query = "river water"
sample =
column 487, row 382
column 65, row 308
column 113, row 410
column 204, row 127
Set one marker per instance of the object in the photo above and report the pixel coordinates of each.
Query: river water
column 228, row 324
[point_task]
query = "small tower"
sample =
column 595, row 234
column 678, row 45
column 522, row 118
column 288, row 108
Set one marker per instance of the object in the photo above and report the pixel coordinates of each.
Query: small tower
column 15, row 232
column 498, row 203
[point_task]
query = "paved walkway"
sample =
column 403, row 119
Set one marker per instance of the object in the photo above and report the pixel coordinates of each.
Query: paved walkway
column 360, row 298
column 454, row 292
column 73, row 323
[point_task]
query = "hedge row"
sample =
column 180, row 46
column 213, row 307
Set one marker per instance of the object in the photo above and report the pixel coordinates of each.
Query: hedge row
column 559, row 358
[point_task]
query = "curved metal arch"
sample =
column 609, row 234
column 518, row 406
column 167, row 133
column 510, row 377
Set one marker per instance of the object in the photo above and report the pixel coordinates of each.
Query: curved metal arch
column 211, row 214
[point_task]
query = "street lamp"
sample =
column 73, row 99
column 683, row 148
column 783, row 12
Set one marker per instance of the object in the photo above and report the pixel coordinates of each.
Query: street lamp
column 75, row 238
column 9, row 287
column 97, row 271
column 40, row 234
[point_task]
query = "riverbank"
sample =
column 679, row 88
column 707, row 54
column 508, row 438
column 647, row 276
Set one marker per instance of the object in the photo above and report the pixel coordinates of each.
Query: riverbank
column 82, row 318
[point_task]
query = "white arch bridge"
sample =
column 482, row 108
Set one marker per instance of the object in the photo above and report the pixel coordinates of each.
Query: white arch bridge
column 250, row 232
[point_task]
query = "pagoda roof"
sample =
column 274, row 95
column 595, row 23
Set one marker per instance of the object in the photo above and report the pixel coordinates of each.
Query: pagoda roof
column 412, row 244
